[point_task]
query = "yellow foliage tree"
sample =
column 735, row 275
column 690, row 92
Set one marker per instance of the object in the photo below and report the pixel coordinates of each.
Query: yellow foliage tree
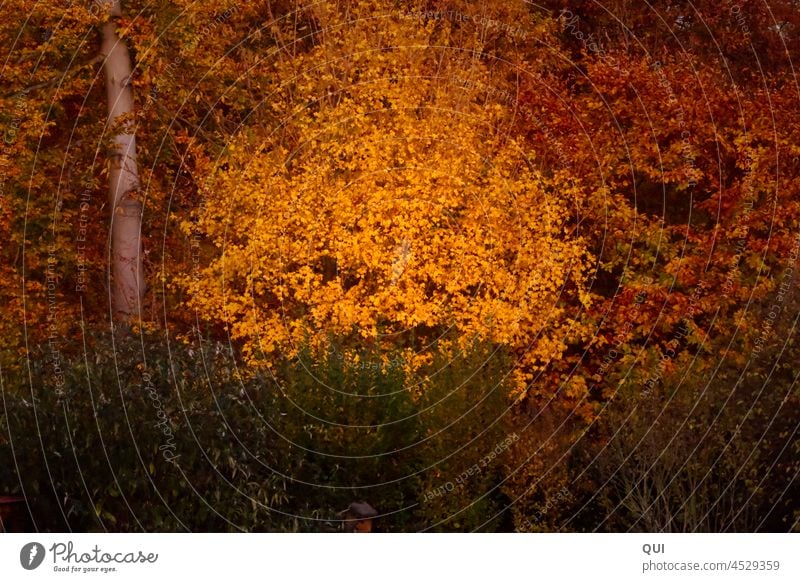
column 390, row 206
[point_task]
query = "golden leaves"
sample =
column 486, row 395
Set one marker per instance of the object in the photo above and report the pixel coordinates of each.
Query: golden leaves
column 395, row 210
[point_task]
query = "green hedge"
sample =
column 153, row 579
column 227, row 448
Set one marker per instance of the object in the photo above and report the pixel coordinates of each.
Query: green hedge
column 140, row 437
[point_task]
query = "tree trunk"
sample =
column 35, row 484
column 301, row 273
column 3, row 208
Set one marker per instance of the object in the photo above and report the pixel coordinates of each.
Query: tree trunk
column 127, row 272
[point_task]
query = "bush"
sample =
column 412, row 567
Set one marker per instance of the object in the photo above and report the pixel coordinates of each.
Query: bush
column 138, row 437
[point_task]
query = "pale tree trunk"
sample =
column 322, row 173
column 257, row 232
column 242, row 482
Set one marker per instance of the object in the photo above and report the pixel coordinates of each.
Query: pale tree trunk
column 127, row 272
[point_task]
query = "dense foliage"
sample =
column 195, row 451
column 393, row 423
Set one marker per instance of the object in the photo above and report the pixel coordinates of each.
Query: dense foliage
column 488, row 265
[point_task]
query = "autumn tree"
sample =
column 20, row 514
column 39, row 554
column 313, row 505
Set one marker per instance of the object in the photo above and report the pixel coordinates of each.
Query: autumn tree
column 127, row 273
column 388, row 206
column 411, row 199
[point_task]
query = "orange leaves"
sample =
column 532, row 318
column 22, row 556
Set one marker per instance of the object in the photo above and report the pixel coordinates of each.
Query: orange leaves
column 393, row 213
